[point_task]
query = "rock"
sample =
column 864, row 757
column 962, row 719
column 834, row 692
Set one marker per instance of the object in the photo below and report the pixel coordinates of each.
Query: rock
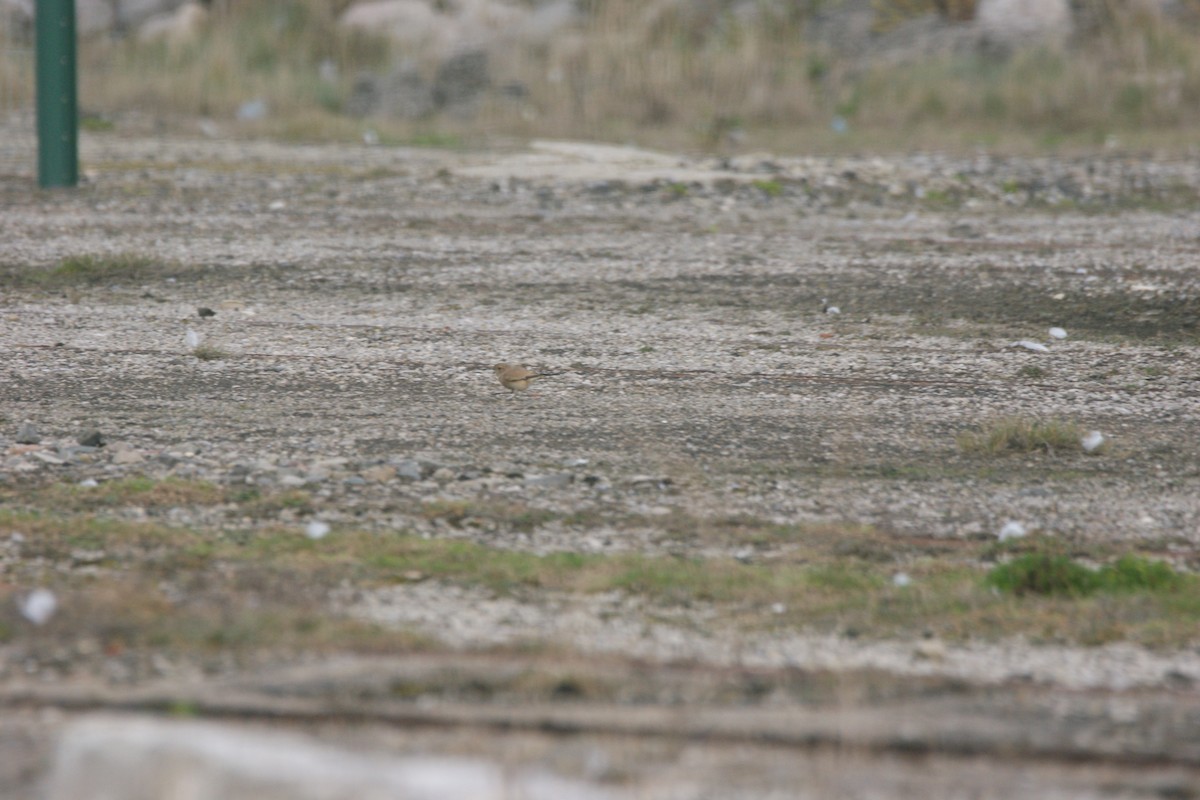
column 1006, row 25
column 1011, row 530
column 316, row 529
column 412, row 22
column 409, row 470
column 27, row 433
column 92, row 438
column 460, row 81
column 443, row 474
column 38, row 606
column 48, row 458
column 930, row 650
column 252, row 110
column 554, row 481
column 156, row 759
column 205, row 311
column 406, row 94
column 124, row 453
column 94, row 16
column 1057, row 333
column 129, row 14
column 1092, row 442
column 178, row 28
column 642, row 481
column 380, row 474
column 365, row 96
column 1029, row 344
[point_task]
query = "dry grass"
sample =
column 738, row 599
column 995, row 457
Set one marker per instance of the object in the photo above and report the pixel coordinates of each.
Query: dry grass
column 1022, row 435
column 90, row 269
column 687, row 73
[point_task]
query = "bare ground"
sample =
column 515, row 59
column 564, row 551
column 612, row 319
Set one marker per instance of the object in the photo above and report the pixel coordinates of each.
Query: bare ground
column 705, row 395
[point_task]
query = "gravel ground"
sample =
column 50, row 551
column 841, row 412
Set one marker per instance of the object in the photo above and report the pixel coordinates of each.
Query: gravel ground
column 794, row 340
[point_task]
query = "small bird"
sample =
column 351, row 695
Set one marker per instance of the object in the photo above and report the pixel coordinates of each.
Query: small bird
column 516, row 378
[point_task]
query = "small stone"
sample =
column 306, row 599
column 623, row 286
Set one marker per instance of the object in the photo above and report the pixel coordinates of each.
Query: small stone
column 316, row 529
column 252, row 110
column 1011, row 530
column 409, row 470
column 442, row 474
column 649, row 480
column 379, row 474
column 205, row 311
column 1036, row 347
column 91, row 439
column 930, row 650
column 82, row 556
column 1092, row 442
column 554, row 481
column 901, row 579
column 575, row 462
column 48, row 458
column 38, row 606
column 89, row 483
column 1057, row 333
column 129, row 456
column 27, row 433
column 778, row 608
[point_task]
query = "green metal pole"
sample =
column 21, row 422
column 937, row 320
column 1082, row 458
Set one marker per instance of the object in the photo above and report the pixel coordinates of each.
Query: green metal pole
column 58, row 147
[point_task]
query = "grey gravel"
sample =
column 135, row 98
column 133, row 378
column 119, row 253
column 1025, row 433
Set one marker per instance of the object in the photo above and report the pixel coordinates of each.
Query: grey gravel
column 681, row 297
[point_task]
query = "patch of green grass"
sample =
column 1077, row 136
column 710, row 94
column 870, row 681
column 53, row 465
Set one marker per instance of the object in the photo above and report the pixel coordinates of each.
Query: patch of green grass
column 93, row 270
column 1032, row 371
column 138, row 491
column 208, row 352
column 771, row 188
column 827, row 578
column 1043, row 573
column 1022, row 435
column 95, row 124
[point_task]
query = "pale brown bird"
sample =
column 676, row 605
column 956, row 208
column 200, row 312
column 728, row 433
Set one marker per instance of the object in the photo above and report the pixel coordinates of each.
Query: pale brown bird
column 516, row 378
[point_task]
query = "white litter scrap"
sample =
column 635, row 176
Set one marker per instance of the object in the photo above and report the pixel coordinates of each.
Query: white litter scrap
column 1092, row 441
column 1011, row 530
column 901, row 579
column 317, row 529
column 38, row 606
column 1057, row 333
column 193, row 339
column 1029, row 344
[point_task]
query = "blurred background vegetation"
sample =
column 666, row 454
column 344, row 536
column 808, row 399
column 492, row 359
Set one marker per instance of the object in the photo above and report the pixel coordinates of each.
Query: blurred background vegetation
column 718, row 75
